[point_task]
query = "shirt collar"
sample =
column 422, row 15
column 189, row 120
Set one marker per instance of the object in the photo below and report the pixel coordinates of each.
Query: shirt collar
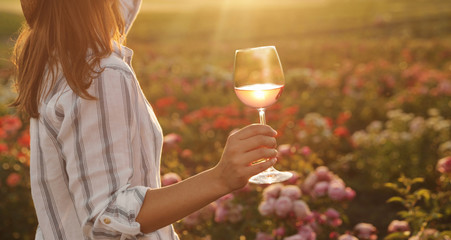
column 123, row 52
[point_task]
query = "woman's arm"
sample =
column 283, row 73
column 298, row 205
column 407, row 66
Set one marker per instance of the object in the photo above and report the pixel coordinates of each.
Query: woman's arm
column 166, row 205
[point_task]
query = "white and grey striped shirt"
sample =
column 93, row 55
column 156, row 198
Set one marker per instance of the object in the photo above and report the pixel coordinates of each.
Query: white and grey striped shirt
column 92, row 161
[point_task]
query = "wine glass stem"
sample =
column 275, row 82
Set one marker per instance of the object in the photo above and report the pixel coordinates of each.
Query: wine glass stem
column 261, row 113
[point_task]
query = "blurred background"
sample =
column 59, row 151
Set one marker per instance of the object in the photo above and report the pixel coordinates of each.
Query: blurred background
column 368, row 95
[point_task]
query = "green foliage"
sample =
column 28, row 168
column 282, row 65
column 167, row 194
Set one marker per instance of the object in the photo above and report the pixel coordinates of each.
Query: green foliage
column 424, row 209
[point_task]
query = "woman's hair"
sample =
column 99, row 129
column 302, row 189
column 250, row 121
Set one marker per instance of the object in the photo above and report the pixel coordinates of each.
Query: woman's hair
column 59, row 37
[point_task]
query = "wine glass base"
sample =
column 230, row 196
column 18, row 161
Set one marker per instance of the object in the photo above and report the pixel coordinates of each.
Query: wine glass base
column 272, row 176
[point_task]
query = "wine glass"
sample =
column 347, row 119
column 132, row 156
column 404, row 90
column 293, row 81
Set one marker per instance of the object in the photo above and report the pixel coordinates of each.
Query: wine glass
column 259, row 82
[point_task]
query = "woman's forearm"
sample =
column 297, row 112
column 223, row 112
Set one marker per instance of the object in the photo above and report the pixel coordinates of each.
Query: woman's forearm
column 166, row 205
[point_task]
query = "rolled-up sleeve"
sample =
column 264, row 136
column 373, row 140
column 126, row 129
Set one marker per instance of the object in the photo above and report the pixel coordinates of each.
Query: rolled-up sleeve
column 98, row 147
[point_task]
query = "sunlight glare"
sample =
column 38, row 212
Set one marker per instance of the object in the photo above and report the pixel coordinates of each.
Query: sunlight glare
column 259, row 94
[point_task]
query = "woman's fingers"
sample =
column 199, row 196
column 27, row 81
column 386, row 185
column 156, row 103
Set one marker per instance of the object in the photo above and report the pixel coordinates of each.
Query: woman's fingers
column 259, row 167
column 258, row 154
column 243, row 150
column 252, row 137
column 255, row 142
column 253, row 130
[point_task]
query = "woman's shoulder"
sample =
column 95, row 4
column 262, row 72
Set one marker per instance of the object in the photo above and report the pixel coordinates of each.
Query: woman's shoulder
column 115, row 62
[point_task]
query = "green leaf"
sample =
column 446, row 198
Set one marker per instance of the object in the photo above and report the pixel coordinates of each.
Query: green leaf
column 391, row 186
column 395, row 199
column 403, row 179
column 419, row 213
column 425, row 193
column 417, row 180
column 403, row 214
column 436, row 215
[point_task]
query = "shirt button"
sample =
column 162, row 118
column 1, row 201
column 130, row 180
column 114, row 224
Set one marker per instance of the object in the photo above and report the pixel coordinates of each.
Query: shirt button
column 107, row 221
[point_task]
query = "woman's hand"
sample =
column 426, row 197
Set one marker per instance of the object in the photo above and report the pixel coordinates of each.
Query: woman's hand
column 163, row 206
column 244, row 147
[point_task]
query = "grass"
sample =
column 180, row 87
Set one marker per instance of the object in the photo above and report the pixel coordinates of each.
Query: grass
column 211, row 35
column 209, row 32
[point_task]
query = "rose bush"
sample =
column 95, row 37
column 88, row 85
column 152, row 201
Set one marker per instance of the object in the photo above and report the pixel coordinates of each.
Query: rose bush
column 18, row 219
column 331, row 158
column 367, row 100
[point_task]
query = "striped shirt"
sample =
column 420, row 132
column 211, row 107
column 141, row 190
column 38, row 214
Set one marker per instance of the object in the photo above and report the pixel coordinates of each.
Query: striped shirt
column 92, row 161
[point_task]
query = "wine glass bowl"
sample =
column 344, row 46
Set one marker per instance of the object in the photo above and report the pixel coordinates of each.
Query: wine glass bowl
column 259, row 81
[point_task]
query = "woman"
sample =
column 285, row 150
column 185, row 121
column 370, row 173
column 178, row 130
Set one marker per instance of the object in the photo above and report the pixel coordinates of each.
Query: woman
column 95, row 141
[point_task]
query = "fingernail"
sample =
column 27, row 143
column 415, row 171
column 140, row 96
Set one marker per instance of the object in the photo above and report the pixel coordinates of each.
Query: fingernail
column 273, row 160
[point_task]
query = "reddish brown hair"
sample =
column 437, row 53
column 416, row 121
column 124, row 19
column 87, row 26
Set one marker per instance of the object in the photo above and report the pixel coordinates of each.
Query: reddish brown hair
column 58, row 38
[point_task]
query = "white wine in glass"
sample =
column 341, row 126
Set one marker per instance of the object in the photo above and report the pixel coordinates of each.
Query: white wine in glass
column 259, row 82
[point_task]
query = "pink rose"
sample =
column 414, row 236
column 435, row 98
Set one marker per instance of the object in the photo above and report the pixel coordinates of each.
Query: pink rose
column 333, row 235
column 291, row 191
column 13, row 179
column 170, row 178
column 306, row 151
column 365, row 231
column 285, row 150
column 191, row 220
column 171, row 140
column 307, row 233
column 263, row 236
column 323, row 173
column 294, row 178
column 320, row 218
column 310, row 218
column 283, row 206
column 336, row 191
column 294, row 237
column 267, row 207
column 221, row 214
column 337, row 180
column 350, row 193
column 444, row 165
column 279, row 232
column 204, row 214
column 398, row 226
column 301, row 209
column 272, row 191
column 347, row 237
column 309, row 182
column 234, row 215
column 332, row 213
column 320, row 189
column 335, row 222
